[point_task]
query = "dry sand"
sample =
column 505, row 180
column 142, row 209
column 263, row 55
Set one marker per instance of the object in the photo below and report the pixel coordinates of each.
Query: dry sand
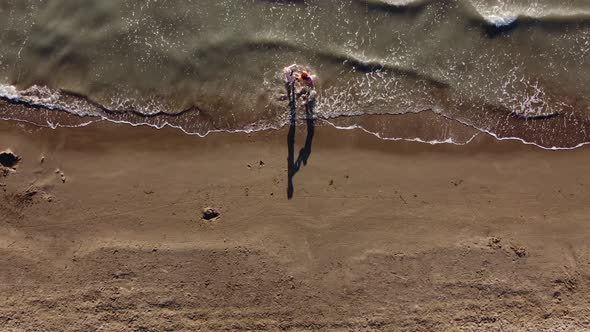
column 101, row 230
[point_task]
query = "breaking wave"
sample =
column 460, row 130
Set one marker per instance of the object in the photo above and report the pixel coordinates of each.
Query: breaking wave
column 497, row 13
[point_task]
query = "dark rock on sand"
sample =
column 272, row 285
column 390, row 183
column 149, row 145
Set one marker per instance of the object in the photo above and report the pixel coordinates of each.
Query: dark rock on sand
column 210, row 214
column 9, row 159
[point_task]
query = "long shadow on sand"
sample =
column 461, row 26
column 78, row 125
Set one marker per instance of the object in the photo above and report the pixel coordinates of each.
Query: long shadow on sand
column 295, row 165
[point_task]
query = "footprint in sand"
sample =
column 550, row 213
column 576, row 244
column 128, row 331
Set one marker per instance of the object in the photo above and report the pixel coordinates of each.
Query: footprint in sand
column 61, row 174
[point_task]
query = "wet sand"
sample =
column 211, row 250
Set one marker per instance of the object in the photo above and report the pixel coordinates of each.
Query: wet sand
column 387, row 236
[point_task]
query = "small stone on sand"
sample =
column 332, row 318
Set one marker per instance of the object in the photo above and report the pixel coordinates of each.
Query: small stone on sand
column 48, row 197
column 518, row 250
column 4, row 171
column 494, row 243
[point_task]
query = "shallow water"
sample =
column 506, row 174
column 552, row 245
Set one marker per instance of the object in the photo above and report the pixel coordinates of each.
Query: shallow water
column 509, row 68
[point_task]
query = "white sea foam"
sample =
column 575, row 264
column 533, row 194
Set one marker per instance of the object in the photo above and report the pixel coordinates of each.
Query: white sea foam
column 500, row 21
column 400, row 2
column 8, row 92
column 505, row 12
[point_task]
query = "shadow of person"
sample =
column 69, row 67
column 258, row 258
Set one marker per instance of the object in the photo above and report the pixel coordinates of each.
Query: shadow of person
column 293, row 166
column 291, row 147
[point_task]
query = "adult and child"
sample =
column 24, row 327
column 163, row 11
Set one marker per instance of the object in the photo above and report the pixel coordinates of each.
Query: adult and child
column 298, row 82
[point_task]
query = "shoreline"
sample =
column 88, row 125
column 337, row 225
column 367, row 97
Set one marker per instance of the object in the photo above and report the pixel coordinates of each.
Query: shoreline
column 426, row 126
column 378, row 235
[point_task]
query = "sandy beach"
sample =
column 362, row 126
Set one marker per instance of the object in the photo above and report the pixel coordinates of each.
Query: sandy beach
column 101, row 230
column 294, row 165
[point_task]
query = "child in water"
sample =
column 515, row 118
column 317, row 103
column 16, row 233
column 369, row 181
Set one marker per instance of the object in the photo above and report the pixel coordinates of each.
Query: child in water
column 308, row 85
column 306, row 79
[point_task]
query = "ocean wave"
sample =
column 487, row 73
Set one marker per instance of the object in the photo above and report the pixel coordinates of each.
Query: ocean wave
column 42, row 106
column 73, row 102
column 506, row 20
column 412, row 7
column 395, row 3
column 502, row 15
column 498, row 15
column 233, row 47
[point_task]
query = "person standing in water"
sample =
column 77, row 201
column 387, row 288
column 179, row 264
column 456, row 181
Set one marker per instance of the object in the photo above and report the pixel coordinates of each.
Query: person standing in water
column 290, row 79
